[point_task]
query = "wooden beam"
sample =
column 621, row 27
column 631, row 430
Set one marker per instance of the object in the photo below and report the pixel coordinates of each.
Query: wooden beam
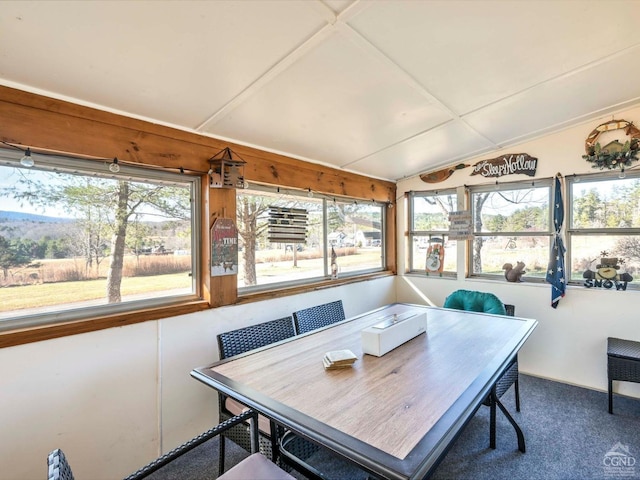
column 55, row 125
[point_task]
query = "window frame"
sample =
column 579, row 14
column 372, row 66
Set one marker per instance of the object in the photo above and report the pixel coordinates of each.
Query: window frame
column 99, row 168
column 248, row 291
column 413, row 234
column 509, row 186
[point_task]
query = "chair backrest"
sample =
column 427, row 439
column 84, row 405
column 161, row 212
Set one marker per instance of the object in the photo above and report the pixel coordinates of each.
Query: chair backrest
column 248, row 338
column 473, row 301
column 511, row 309
column 319, row 316
column 58, row 467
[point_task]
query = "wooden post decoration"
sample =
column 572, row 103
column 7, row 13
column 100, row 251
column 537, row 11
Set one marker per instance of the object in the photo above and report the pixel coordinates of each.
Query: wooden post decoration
column 509, row 164
column 443, row 174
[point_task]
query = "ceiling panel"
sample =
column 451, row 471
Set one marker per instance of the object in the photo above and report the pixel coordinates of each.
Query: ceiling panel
column 570, row 98
column 173, row 61
column 336, row 104
column 382, row 88
column 470, row 54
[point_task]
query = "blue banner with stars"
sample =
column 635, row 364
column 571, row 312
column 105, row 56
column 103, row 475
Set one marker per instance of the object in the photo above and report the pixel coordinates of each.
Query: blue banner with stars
column 556, row 274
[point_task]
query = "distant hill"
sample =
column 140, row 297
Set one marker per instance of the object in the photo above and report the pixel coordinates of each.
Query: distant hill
column 30, row 217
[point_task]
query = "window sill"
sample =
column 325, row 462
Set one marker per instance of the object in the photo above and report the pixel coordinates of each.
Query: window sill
column 284, row 292
column 40, row 333
column 46, row 332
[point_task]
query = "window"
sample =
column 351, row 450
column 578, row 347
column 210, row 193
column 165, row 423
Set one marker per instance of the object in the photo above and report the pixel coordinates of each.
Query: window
column 78, row 240
column 430, row 250
column 353, row 231
column 511, row 223
column 604, row 222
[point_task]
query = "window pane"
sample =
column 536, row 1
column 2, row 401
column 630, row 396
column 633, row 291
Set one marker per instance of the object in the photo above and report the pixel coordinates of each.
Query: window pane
column 613, row 203
column 264, row 262
column 355, row 233
column 511, row 224
column 587, row 251
column 516, row 210
column 78, row 238
column 431, row 211
column 432, row 253
column 421, row 253
column 496, row 251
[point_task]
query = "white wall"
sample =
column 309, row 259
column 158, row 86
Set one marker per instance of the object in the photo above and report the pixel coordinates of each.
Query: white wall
column 113, row 399
column 569, row 343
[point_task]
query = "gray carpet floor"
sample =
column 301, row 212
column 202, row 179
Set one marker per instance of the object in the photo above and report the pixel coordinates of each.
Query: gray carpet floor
column 569, row 435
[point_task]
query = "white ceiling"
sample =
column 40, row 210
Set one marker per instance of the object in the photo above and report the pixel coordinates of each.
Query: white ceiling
column 383, row 88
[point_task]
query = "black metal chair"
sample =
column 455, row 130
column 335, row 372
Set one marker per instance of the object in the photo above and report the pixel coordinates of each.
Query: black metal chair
column 312, row 318
column 623, row 363
column 489, row 303
column 236, row 342
column 508, row 378
column 254, row 466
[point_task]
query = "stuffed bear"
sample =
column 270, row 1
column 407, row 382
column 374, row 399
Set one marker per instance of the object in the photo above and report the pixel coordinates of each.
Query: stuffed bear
column 513, row 274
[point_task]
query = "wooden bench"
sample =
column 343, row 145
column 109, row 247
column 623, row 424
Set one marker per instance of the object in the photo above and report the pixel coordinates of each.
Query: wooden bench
column 623, row 363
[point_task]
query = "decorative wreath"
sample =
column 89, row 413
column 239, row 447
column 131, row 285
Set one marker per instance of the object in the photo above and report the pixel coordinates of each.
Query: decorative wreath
column 615, row 154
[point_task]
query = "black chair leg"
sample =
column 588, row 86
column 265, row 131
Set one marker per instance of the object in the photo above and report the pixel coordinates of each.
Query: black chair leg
column 275, row 435
column 492, row 421
column 517, row 390
column 610, row 396
column 221, row 456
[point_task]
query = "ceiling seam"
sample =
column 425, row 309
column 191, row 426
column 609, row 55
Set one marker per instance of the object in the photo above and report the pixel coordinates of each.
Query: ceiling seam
column 358, row 39
column 555, row 78
column 269, row 75
column 329, row 17
column 399, row 142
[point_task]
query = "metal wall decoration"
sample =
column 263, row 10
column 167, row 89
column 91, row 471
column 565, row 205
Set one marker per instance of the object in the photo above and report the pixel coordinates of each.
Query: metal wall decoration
column 509, row 164
column 435, row 256
column 226, row 171
column 287, row 225
column 606, row 274
column 224, row 247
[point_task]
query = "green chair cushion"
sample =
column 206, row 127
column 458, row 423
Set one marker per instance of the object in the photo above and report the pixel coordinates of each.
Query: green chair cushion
column 472, row 301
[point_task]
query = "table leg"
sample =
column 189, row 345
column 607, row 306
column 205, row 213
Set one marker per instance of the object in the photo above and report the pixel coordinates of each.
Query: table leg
column 521, row 444
column 610, row 396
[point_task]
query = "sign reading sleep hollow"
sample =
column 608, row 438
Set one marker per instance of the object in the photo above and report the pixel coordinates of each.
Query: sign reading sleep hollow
column 508, row 164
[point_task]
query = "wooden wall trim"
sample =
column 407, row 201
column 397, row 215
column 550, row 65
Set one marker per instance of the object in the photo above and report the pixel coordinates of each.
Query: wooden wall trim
column 55, row 125
column 46, row 332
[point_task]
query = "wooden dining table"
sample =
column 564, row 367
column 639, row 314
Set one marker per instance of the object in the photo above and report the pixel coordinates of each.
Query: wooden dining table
column 394, row 416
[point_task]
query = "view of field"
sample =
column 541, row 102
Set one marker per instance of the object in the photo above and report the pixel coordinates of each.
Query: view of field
column 274, row 266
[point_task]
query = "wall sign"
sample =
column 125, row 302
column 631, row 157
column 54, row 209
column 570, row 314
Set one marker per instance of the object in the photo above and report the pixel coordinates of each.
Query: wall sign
column 460, row 225
column 287, row 225
column 508, row 164
column 224, row 247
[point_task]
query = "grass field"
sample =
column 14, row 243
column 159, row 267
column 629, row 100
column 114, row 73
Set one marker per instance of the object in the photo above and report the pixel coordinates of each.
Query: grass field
column 48, row 294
